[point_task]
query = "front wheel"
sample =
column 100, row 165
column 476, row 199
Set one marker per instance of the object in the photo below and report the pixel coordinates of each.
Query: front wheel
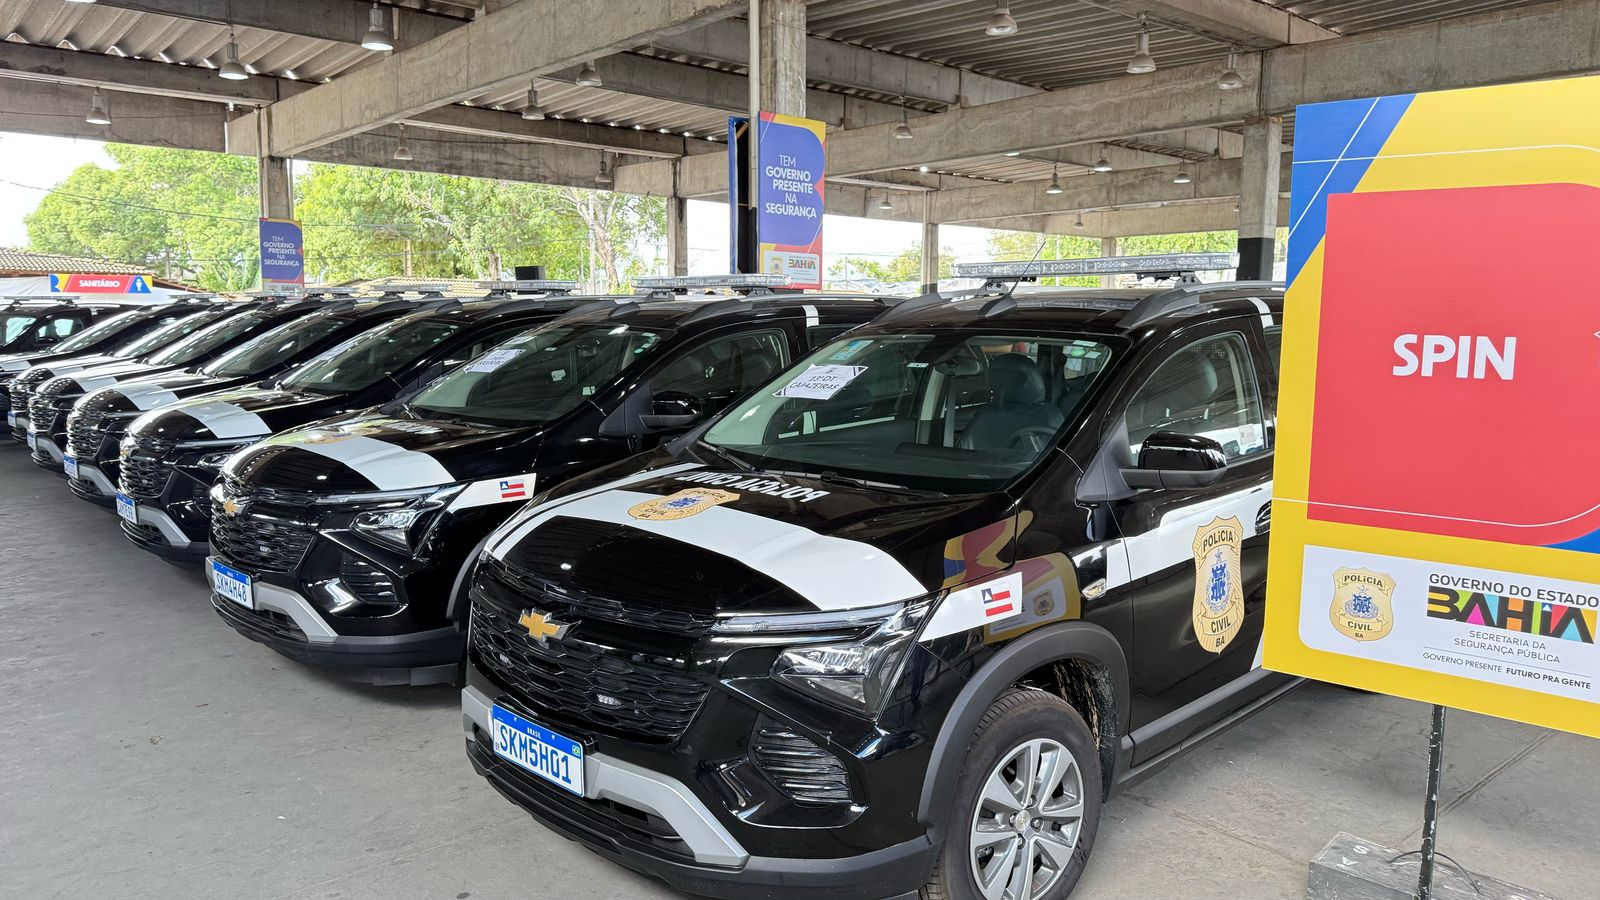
column 1027, row 805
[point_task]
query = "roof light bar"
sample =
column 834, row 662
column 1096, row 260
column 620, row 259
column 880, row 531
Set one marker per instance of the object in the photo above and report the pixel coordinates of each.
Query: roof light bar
column 659, row 283
column 333, row 290
column 1159, row 264
column 529, row 285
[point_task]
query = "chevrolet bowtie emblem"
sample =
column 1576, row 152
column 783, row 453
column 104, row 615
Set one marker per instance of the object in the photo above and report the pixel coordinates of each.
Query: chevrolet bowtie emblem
column 232, row 507
column 541, row 627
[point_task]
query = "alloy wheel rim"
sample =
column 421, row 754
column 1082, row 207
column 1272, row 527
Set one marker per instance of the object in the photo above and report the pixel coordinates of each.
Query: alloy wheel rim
column 1027, row 822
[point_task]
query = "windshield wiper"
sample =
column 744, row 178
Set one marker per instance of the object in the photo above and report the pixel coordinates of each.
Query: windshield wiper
column 738, row 463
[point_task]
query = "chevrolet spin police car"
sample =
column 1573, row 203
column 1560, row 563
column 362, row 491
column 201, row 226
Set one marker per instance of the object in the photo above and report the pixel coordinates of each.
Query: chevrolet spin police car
column 107, row 336
column 53, row 400
column 171, row 457
column 898, row 623
column 347, row 543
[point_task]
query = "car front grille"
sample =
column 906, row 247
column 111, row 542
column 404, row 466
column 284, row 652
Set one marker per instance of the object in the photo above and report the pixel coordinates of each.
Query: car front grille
column 41, row 411
column 145, row 470
column 586, row 684
column 568, row 603
column 257, row 540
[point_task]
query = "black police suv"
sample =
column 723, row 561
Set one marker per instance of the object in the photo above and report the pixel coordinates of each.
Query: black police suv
column 99, row 421
column 347, row 543
column 22, row 388
column 35, row 324
column 53, row 400
column 103, row 337
column 898, row 622
column 171, row 457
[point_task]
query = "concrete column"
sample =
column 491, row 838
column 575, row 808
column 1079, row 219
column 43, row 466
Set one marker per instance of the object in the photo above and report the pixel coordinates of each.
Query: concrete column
column 678, row 235
column 277, row 190
column 930, row 246
column 1108, row 247
column 783, row 56
column 1258, row 195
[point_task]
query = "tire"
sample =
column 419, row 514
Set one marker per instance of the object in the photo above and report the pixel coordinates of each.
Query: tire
column 1017, row 720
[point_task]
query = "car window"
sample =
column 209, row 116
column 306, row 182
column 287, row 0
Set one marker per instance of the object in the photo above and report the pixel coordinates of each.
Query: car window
column 953, row 411
column 817, row 335
column 483, row 344
column 166, row 334
column 1207, row 388
column 271, row 349
column 98, row 331
column 213, row 338
column 721, row 371
column 1274, row 338
column 363, row 361
column 13, row 326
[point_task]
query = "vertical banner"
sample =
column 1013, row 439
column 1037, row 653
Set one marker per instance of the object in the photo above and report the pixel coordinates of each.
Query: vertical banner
column 788, row 198
column 1436, row 525
column 283, row 261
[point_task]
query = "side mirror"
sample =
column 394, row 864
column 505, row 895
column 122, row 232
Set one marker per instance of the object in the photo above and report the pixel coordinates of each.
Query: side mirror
column 1177, row 461
column 672, row 409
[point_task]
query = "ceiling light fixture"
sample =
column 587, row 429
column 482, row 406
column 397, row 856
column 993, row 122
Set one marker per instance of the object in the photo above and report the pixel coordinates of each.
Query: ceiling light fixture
column 1142, row 62
column 884, row 205
column 588, row 76
column 1079, row 223
column 1102, row 164
column 1055, row 181
column 97, row 110
column 1182, row 177
column 230, row 68
column 902, row 131
column 603, row 178
column 1231, row 80
column 1000, row 24
column 376, row 38
column 402, row 153
column 533, row 112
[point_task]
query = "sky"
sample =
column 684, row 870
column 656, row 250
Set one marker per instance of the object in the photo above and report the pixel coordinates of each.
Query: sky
column 39, row 162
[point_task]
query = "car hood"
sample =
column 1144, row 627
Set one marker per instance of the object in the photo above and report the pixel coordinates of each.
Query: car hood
column 92, row 378
column 736, row 541
column 231, row 412
column 49, row 368
column 145, row 394
column 372, row 451
column 14, row 363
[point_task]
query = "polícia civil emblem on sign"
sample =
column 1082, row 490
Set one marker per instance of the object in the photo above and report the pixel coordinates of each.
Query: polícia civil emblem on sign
column 1218, row 592
column 681, row 505
column 1363, row 604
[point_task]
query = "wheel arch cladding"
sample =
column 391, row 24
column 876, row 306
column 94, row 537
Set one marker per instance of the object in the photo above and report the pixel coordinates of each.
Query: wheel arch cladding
column 1055, row 659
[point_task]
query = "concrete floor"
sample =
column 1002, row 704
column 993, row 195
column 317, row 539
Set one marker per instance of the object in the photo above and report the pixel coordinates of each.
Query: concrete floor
column 146, row 751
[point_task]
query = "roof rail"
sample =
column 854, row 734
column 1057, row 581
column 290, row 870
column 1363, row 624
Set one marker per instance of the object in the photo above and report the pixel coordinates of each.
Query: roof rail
column 1178, row 266
column 899, row 309
column 191, row 297
column 620, row 307
column 387, row 305
column 753, row 283
column 1185, row 296
column 332, row 290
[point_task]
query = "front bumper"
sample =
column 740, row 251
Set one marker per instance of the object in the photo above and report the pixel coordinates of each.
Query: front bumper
column 93, row 485
column 47, row 454
column 157, row 532
column 614, row 819
column 288, row 622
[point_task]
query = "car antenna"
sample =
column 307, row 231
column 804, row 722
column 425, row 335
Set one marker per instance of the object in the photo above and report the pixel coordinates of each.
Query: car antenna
column 1004, row 302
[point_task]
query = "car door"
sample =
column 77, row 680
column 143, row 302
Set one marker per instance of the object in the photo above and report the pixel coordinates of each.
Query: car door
column 718, row 371
column 1196, row 557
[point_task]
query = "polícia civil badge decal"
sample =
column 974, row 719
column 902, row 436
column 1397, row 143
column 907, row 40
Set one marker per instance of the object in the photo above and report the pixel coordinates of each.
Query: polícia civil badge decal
column 1218, row 592
column 1363, row 604
column 681, row 505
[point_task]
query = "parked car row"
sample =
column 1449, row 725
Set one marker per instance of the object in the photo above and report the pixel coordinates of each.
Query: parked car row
column 757, row 592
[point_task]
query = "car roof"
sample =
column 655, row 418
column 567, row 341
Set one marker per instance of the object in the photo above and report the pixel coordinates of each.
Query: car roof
column 680, row 310
column 1098, row 310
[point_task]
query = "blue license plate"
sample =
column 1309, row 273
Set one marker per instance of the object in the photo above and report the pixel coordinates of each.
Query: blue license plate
column 70, row 464
column 553, row 757
column 11, row 418
column 33, row 441
column 232, row 584
column 127, row 508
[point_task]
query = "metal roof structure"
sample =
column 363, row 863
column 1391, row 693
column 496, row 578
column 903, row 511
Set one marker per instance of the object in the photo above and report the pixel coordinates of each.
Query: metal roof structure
column 669, row 85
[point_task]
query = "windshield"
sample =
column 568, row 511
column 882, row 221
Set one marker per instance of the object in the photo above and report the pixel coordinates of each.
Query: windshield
column 96, row 332
column 956, row 412
column 208, row 339
column 536, row 377
column 274, row 348
column 365, row 360
column 166, row 334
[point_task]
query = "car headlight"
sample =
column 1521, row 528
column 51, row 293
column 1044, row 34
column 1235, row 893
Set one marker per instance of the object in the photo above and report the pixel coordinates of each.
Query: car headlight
column 404, row 525
column 216, row 458
column 858, row 674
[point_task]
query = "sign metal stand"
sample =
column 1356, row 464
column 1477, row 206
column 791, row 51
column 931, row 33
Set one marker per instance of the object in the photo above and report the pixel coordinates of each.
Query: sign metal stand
column 1430, row 806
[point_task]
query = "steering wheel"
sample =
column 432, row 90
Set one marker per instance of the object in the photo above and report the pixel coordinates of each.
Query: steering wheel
column 1031, row 437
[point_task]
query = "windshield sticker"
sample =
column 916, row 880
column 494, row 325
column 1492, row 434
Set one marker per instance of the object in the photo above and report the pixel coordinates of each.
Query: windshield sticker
column 682, row 505
column 756, row 485
column 821, row 382
column 851, row 349
column 1218, row 595
column 493, row 360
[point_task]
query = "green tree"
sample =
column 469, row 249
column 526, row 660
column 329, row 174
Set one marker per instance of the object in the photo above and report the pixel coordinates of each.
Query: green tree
column 185, row 213
column 904, row 267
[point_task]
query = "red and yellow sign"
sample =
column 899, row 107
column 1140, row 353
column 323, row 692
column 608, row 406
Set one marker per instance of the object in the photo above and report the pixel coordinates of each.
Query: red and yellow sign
column 1436, row 527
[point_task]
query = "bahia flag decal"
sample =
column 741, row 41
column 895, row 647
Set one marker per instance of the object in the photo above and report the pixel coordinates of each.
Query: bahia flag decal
column 997, row 601
column 513, row 489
